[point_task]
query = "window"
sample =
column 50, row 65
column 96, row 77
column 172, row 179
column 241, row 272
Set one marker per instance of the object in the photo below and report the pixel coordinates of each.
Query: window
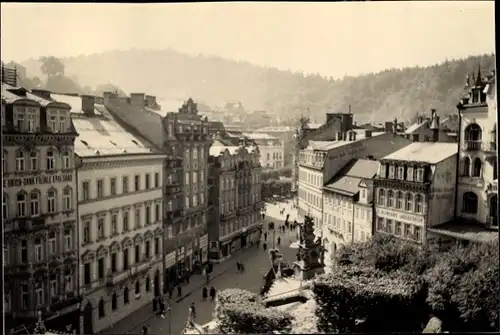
column 113, row 262
column 100, row 228
column 186, row 202
column 137, row 253
column 31, row 123
column 157, row 246
column 381, row 197
column 388, row 226
column 477, row 167
column 391, row 171
column 420, row 175
column 20, row 166
column 52, row 243
column 53, row 288
column 102, row 312
column 409, row 174
column 195, row 200
column 100, row 268
column 4, row 161
column 33, row 160
column 415, row 137
column 380, row 224
column 52, row 123
column 85, row 190
column 86, row 232
column 147, row 252
column 21, row 204
column 401, row 173
column 24, row 296
column 100, row 188
column 417, row 233
column 19, row 121
column 409, row 202
column 39, row 296
column 137, row 218
column 114, row 302
column 383, row 171
column 157, row 212
column 87, row 274
column 202, row 198
column 148, row 181
column 51, row 160
column 148, row 214
column 114, row 224
column 194, row 177
column 466, row 167
column 66, row 160
column 51, row 201
column 399, row 200
column 157, row 179
column 407, row 230
column 137, row 288
column 69, row 283
column 148, row 284
column 125, row 184
column 125, row 220
column 34, row 203
column 38, row 250
column 397, row 230
column 418, row 203
column 5, row 207
column 125, row 259
column 137, row 183
column 68, row 240
column 24, row 251
column 62, row 123
column 469, row 203
column 112, row 186
column 186, row 179
column 390, row 198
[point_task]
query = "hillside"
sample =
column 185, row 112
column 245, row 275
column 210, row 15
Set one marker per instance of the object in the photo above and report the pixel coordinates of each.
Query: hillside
column 374, row 97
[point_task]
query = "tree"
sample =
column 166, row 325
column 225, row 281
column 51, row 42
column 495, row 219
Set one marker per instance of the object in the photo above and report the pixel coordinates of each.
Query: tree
column 36, row 82
column 51, row 66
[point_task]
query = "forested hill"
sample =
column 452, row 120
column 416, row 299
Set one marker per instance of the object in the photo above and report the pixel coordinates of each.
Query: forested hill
column 374, row 97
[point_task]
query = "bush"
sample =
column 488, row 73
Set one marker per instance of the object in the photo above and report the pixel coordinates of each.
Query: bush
column 273, row 187
column 238, row 311
column 359, row 299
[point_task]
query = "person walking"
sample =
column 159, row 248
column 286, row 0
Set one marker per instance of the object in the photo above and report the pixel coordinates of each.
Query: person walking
column 192, row 310
column 264, row 246
column 238, row 267
column 179, row 291
column 162, row 308
column 212, row 293
column 278, row 242
column 265, row 236
column 204, row 294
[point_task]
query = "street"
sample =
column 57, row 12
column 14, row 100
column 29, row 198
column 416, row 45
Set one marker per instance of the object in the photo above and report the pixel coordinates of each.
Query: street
column 256, row 262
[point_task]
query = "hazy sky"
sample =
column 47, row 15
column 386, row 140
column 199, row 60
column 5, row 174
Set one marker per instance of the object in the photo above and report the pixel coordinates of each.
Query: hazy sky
column 330, row 38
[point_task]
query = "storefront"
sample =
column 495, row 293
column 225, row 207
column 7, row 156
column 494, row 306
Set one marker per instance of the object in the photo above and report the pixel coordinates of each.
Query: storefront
column 214, row 250
column 170, row 268
column 236, row 244
column 180, row 259
column 66, row 320
column 204, row 248
column 225, row 247
column 188, row 260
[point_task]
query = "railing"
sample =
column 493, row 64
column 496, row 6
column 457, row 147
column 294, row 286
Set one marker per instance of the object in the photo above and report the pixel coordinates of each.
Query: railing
column 473, row 144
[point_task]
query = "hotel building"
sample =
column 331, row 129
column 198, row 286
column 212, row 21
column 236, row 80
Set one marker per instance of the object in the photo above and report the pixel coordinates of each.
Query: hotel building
column 38, row 210
column 235, row 198
column 120, row 202
column 272, row 149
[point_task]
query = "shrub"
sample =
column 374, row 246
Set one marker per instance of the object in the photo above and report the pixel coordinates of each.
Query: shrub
column 239, row 311
column 359, row 299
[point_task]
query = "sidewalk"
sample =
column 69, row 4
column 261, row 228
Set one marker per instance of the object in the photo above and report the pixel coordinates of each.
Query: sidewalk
column 197, row 282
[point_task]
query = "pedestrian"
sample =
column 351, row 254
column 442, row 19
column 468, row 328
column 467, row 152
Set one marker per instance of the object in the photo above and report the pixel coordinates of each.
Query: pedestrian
column 212, row 293
column 155, row 303
column 162, row 308
column 204, row 294
column 179, row 291
column 264, row 246
column 238, row 268
column 265, row 236
column 279, row 240
column 242, row 267
column 145, row 330
column 192, row 309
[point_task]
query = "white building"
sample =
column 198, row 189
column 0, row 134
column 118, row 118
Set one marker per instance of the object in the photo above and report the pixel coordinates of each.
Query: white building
column 119, row 182
column 272, row 149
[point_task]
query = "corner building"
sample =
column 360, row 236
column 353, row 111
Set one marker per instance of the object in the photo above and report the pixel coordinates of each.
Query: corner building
column 120, row 200
column 39, row 211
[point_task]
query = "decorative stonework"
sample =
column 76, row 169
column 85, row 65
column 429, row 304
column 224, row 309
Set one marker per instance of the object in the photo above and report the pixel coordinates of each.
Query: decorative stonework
column 310, row 252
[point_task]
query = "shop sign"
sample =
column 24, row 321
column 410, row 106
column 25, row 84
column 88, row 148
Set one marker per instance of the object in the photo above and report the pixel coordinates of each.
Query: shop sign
column 38, row 180
column 403, row 217
column 214, row 246
column 189, row 252
column 203, row 241
column 170, row 259
column 180, row 253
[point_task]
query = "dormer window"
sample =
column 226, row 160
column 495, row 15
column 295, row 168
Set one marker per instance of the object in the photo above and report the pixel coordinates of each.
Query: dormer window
column 383, row 171
column 401, row 173
column 31, row 123
column 420, row 175
column 62, row 123
column 52, row 123
column 391, row 171
column 19, row 120
column 409, row 173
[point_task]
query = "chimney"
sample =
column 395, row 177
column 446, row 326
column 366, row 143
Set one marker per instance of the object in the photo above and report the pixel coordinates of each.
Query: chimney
column 44, row 94
column 368, row 133
column 434, row 126
column 88, row 102
column 150, row 101
column 137, row 100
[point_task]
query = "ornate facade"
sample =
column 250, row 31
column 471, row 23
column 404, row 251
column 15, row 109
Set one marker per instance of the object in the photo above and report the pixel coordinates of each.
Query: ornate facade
column 235, row 195
column 39, row 209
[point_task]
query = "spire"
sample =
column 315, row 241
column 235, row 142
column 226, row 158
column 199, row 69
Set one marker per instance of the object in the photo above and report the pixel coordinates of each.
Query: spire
column 473, row 78
column 479, row 80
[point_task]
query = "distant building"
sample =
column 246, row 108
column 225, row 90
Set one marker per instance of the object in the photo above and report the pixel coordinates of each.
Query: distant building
column 272, row 149
column 285, row 134
column 422, row 130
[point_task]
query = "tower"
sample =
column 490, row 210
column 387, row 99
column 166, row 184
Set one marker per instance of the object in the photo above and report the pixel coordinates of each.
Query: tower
column 309, row 263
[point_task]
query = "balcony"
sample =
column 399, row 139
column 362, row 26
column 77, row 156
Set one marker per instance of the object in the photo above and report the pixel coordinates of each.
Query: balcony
column 172, row 189
column 491, row 147
column 473, row 144
column 24, row 224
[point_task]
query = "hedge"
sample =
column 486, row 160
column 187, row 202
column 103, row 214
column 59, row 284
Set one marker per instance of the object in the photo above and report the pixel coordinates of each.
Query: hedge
column 361, row 299
column 240, row 312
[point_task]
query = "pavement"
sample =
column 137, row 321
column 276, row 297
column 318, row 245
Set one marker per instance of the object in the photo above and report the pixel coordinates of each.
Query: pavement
column 224, row 276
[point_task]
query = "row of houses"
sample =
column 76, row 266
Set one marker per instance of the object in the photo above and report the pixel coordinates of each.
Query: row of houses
column 106, row 200
column 423, row 184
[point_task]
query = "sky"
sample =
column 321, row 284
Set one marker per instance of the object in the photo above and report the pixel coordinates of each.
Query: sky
column 333, row 39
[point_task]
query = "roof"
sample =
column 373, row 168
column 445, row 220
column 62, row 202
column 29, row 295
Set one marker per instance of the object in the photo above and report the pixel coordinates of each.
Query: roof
column 346, row 184
column 259, row 136
column 275, row 129
column 217, row 150
column 414, row 127
column 314, row 125
column 329, row 145
column 101, row 134
column 465, row 230
column 347, row 181
column 425, row 152
column 167, row 106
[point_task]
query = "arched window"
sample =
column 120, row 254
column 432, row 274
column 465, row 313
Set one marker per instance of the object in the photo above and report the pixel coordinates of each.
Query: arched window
column 34, row 160
column 51, row 201
column 5, row 207
column 67, row 199
column 21, row 204
column 66, row 158
column 466, row 167
column 51, row 160
column 137, row 288
column 20, row 163
column 148, row 284
column 473, row 132
column 469, row 203
column 409, row 202
column 476, row 169
column 418, row 203
column 390, row 198
column 114, row 301
column 101, row 308
column 381, row 197
column 125, row 296
column 34, row 203
column 399, row 200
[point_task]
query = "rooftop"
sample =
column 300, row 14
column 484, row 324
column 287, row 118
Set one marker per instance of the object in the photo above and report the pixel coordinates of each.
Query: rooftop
column 465, row 230
column 329, row 145
column 101, row 134
column 259, row 136
column 425, row 152
column 167, row 106
column 275, row 129
column 414, row 127
column 347, row 181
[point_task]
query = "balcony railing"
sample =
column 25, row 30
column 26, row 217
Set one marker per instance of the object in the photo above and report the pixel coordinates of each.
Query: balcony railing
column 473, row 144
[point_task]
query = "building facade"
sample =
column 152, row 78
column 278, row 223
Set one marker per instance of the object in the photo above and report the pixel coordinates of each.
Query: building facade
column 39, row 210
column 272, row 150
column 478, row 175
column 120, row 206
column 285, row 134
column 235, row 195
column 421, row 131
column 415, row 190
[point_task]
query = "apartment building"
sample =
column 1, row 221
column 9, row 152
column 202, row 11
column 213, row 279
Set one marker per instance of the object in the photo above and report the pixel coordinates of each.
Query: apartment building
column 320, row 161
column 415, row 190
column 348, row 206
column 38, row 210
column 120, row 210
column 284, row 134
column 478, row 174
column 235, row 198
column 272, row 149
